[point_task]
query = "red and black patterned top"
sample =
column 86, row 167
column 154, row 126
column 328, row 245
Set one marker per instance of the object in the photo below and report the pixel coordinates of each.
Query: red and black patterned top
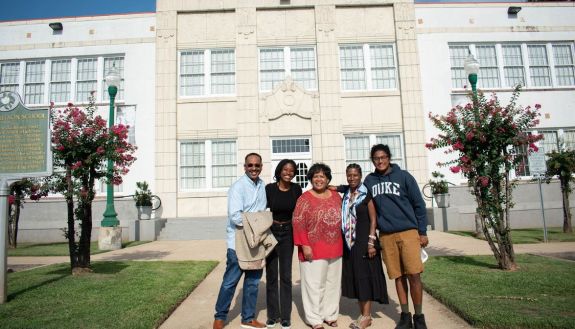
column 317, row 223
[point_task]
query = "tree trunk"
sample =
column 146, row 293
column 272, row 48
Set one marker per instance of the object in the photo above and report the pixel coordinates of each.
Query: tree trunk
column 71, row 232
column 567, row 227
column 85, row 234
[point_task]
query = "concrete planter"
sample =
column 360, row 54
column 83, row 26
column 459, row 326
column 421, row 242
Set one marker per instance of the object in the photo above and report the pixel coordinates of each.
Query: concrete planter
column 144, row 212
column 442, row 200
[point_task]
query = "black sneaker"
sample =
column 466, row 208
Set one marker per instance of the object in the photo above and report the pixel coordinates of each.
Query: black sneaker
column 270, row 323
column 286, row 324
column 419, row 321
column 404, row 321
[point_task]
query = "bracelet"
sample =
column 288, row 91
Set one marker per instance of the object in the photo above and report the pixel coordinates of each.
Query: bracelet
column 373, row 237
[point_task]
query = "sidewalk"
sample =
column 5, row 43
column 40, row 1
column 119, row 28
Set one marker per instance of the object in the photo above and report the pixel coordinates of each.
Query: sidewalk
column 196, row 312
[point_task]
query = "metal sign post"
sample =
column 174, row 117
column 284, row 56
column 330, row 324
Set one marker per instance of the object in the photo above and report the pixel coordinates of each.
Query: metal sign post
column 538, row 168
column 24, row 152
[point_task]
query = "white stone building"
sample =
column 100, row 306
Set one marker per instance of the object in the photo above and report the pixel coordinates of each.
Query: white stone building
column 309, row 80
column 64, row 64
column 533, row 47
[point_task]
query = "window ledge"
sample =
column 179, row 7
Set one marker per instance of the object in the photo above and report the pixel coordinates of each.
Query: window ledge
column 207, row 99
column 369, row 93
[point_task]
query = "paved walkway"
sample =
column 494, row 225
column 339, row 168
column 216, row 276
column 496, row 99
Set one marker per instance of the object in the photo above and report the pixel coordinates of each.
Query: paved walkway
column 196, row 312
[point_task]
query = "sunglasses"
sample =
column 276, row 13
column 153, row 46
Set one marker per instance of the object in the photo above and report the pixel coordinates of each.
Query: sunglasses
column 253, row 165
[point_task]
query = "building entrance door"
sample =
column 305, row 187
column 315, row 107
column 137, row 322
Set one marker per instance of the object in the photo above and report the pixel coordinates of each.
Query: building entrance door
column 297, row 149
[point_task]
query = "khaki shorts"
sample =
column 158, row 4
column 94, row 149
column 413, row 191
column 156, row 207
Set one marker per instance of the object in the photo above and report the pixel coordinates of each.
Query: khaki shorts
column 401, row 253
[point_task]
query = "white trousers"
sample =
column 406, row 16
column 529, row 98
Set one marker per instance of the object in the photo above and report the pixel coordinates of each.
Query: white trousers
column 320, row 289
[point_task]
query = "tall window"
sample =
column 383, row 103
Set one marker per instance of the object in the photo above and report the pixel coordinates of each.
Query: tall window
column 126, row 115
column 118, row 63
column 569, row 139
column 60, row 81
column 9, row 74
column 86, row 78
column 34, row 87
column 205, row 72
column 488, row 72
column 539, row 65
column 207, row 164
column 457, row 55
column 564, row 69
column 278, row 62
column 513, row 65
column 367, row 67
column 357, row 149
column 530, row 64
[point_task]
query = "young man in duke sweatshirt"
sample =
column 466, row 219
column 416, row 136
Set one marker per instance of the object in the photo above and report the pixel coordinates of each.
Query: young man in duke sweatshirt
column 402, row 224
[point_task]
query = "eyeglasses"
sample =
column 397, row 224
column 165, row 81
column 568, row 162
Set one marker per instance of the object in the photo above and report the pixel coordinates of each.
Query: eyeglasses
column 253, row 165
column 380, row 159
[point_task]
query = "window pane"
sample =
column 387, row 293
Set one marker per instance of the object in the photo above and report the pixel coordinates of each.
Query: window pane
column 513, row 65
column 549, row 142
column 272, row 69
column 395, row 147
column 223, row 163
column 488, row 72
column 303, row 67
column 569, row 139
column 457, row 55
column 382, row 66
column 86, row 78
column 223, row 71
column 352, row 67
column 34, row 87
column 357, row 151
column 192, row 73
column 298, row 145
column 60, row 81
column 192, row 165
column 539, row 65
column 126, row 115
column 564, row 69
column 9, row 73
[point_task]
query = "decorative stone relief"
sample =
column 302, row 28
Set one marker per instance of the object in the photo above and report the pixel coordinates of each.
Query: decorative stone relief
column 165, row 35
column 408, row 28
column 326, row 29
column 246, row 31
column 289, row 99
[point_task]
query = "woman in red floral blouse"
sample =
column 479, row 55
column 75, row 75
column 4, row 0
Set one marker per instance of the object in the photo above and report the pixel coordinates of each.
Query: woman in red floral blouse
column 317, row 234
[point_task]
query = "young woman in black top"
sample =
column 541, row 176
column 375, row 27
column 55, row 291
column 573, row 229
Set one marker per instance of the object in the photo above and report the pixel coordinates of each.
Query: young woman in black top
column 281, row 196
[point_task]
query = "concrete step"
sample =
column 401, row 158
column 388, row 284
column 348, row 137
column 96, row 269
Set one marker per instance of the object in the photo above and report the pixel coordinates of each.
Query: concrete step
column 197, row 228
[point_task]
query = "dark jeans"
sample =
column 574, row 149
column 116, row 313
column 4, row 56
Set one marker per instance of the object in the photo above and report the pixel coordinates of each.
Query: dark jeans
column 228, row 288
column 279, row 307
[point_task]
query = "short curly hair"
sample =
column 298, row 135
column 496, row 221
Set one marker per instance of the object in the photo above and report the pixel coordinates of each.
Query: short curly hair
column 319, row 167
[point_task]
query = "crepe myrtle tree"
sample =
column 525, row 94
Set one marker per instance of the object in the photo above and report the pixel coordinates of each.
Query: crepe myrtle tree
column 81, row 146
column 486, row 138
column 561, row 164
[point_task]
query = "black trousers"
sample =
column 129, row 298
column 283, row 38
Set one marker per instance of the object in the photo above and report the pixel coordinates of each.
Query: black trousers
column 278, row 264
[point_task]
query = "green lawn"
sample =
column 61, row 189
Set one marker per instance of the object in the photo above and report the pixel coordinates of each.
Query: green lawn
column 539, row 295
column 117, row 295
column 532, row 235
column 58, row 249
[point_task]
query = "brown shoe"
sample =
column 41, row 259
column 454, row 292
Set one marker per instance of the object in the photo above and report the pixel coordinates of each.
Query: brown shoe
column 253, row 324
column 218, row 324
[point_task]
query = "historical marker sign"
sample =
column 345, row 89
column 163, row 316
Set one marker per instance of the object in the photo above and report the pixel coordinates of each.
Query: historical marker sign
column 537, row 164
column 24, row 152
column 24, row 139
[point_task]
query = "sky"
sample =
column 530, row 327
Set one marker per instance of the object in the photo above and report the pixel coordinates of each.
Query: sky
column 34, row 9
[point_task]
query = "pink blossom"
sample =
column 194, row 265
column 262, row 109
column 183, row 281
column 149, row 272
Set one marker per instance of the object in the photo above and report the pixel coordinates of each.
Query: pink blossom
column 484, row 181
column 533, row 147
column 60, row 148
column 464, row 159
column 469, row 136
column 428, row 145
column 458, row 146
column 11, row 199
column 76, row 165
column 100, row 150
column 538, row 106
column 455, row 169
